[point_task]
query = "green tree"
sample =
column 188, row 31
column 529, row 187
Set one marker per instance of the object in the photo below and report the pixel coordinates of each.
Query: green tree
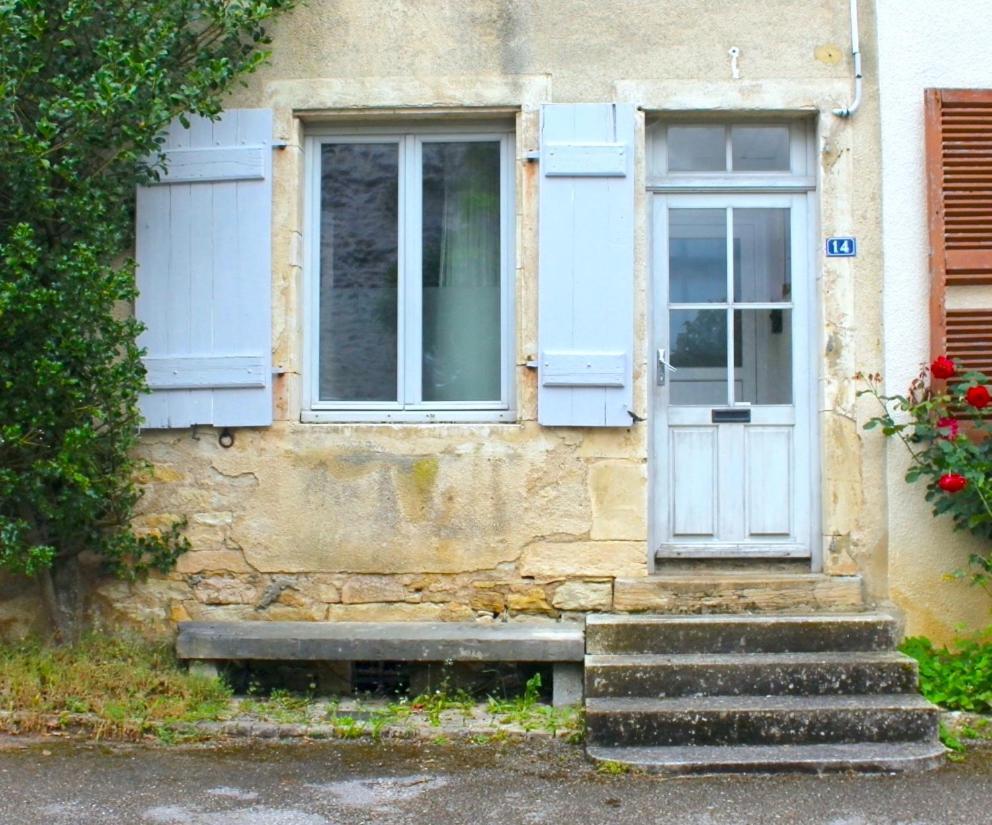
column 86, row 89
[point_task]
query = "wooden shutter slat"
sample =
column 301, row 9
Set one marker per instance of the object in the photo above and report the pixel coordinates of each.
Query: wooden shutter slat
column 959, row 194
column 969, row 338
column 973, row 266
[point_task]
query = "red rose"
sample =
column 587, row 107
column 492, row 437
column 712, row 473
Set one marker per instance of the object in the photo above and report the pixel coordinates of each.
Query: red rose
column 952, row 482
column 951, row 425
column 978, row 396
column 943, row 367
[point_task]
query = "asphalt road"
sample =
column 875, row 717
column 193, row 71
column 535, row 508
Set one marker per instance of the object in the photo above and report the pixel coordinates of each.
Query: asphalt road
column 350, row 783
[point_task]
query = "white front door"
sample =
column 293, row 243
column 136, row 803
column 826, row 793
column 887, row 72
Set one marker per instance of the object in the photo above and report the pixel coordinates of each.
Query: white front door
column 732, row 468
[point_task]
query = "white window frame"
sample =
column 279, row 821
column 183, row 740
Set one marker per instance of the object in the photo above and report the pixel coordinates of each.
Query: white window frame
column 410, row 141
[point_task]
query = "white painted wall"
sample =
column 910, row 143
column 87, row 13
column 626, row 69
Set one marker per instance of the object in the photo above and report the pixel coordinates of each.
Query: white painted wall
column 921, row 44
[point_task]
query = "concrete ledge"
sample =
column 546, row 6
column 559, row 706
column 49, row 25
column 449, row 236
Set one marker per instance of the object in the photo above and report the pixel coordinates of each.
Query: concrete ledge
column 381, row 641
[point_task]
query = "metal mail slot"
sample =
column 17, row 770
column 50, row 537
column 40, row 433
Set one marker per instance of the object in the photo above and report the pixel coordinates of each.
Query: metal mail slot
column 732, row 416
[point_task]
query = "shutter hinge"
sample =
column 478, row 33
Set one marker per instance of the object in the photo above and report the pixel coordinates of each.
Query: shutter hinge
column 533, row 156
column 279, row 144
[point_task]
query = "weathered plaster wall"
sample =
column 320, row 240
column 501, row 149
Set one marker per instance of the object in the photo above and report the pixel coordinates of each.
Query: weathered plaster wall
column 914, row 54
column 451, row 522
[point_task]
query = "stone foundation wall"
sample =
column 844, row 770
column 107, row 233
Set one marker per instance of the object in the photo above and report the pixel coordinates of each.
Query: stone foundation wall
column 390, row 523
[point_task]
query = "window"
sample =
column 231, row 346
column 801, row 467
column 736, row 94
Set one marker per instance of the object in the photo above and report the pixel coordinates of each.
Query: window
column 763, row 155
column 409, row 275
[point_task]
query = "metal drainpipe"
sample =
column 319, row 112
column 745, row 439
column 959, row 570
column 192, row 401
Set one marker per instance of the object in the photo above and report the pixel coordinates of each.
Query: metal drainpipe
column 856, row 51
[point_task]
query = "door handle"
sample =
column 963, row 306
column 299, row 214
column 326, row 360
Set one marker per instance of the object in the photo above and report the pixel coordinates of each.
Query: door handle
column 663, row 368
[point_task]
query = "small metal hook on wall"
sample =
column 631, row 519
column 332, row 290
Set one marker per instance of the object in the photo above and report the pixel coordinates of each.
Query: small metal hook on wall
column 735, row 69
column 226, row 438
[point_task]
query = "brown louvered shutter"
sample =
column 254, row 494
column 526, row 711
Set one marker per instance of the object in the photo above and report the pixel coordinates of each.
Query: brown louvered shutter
column 959, row 190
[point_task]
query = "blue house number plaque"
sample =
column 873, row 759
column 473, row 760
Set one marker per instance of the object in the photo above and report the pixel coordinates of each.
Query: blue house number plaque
column 842, row 246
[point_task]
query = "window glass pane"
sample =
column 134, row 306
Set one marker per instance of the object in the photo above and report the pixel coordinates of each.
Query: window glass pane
column 358, row 271
column 760, row 148
column 461, row 271
column 697, row 149
column 698, row 339
column 697, row 255
column 762, row 255
column 763, row 361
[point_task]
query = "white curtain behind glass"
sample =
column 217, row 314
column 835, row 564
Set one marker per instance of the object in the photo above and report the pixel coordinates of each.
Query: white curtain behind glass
column 461, row 272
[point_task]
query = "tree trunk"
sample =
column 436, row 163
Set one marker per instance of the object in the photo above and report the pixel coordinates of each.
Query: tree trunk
column 62, row 595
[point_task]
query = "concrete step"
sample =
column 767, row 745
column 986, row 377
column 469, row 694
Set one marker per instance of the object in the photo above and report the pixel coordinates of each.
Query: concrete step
column 757, row 674
column 759, row 720
column 738, row 592
column 864, row 757
column 623, row 634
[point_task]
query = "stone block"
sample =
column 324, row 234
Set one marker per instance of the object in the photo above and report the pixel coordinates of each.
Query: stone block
column 224, row 590
column 737, row 593
column 578, row 559
column 618, row 493
column 144, row 606
column 326, row 592
column 579, row 595
column 20, row 615
column 487, row 601
column 370, row 589
column 210, row 561
column 221, row 612
column 385, row 612
column 302, row 611
column 566, row 684
column 531, row 600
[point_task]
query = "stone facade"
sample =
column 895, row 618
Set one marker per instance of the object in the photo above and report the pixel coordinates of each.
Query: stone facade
column 407, row 522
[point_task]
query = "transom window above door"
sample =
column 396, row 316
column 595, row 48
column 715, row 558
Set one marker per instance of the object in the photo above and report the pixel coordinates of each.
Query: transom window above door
column 763, row 154
column 409, row 274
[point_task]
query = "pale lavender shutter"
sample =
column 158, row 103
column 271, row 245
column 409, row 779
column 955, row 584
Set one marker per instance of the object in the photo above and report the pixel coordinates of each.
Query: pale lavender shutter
column 586, row 276
column 204, row 275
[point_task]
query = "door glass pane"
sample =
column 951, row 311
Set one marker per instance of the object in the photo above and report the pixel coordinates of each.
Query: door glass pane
column 359, row 267
column 763, row 357
column 461, row 269
column 697, row 255
column 762, row 255
column 697, row 149
column 698, row 340
column 760, row 148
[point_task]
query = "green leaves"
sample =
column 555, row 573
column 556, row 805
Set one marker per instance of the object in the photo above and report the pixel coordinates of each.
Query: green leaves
column 944, row 442
column 957, row 678
column 86, row 88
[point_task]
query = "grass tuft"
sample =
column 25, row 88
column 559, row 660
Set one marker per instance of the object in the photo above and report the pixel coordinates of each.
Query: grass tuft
column 125, row 687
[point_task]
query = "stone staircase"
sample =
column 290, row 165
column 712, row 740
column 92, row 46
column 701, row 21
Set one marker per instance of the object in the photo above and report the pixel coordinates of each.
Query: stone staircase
column 714, row 693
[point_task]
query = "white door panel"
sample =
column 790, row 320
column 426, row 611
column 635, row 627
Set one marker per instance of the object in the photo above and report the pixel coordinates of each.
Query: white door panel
column 768, row 458
column 694, row 494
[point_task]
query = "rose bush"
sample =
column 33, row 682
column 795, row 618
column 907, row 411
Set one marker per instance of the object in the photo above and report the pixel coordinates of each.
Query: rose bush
column 950, row 440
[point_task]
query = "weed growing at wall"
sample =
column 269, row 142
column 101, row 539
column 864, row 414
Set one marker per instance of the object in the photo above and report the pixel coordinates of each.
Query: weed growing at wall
column 86, row 88
column 958, row 677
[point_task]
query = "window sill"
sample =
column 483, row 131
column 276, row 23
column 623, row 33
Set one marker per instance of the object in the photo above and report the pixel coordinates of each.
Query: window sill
column 408, row 417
